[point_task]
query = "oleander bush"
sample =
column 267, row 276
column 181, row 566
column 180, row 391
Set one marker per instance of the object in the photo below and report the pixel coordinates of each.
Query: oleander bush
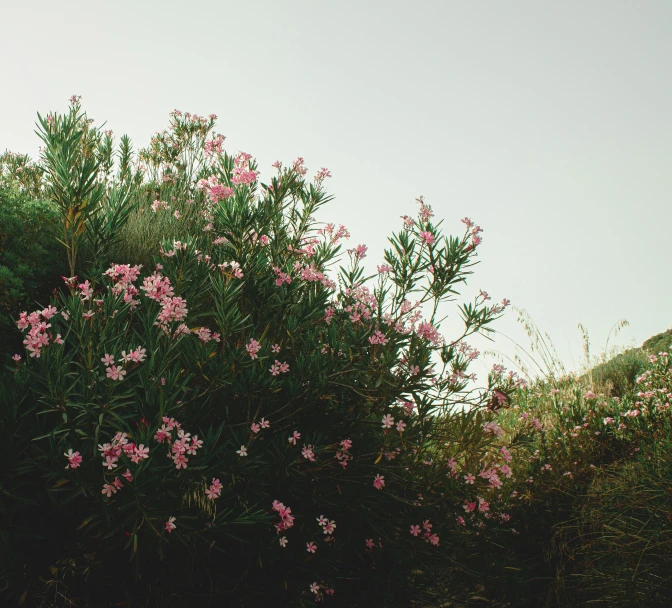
column 247, row 418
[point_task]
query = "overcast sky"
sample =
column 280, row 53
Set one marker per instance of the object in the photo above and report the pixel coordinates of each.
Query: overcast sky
column 548, row 123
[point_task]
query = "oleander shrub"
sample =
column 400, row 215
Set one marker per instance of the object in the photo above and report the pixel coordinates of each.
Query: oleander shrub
column 250, row 418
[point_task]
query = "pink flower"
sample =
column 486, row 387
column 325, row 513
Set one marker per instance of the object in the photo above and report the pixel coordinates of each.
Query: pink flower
column 322, row 174
column 415, row 530
column 49, row 312
column 163, row 433
column 128, row 476
column 109, row 489
column 214, row 490
column 211, row 494
column 401, row 425
column 196, row 444
column 314, row 588
column 308, row 453
column 17, row 358
column 86, row 290
column 379, row 482
column 74, row 459
column 378, row 337
column 115, row 373
column 287, row 519
column 170, row 525
column 141, row 452
column 283, row 541
column 264, row 424
column 279, row 368
column 275, row 348
column 110, row 462
column 311, row 547
column 359, row 252
column 253, row 348
column 242, row 451
column 427, row 237
column 294, row 437
column 255, row 428
column 369, row 543
column 180, row 461
column 469, row 478
column 329, row 527
column 388, row 421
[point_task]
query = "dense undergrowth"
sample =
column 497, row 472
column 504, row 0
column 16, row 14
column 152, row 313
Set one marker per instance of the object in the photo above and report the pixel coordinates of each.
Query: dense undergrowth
column 201, row 402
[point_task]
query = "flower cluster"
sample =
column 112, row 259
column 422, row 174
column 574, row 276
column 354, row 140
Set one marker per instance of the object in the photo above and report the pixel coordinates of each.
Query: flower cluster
column 205, row 335
column 38, row 337
column 241, row 170
column 74, row 459
column 215, row 489
column 181, row 445
column 343, row 455
column 281, row 277
column 257, row 426
column 285, row 514
column 327, row 526
column 157, row 287
column 123, row 277
column 215, row 191
column 427, row 535
column 253, row 347
column 279, row 368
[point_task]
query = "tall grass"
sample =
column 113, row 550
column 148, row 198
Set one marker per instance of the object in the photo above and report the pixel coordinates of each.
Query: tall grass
column 622, row 534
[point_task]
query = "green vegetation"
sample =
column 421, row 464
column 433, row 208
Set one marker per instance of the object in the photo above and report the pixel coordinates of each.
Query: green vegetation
column 31, row 259
column 205, row 401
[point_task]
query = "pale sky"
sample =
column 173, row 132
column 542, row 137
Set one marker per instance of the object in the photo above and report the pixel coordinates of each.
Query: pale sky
column 548, row 123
